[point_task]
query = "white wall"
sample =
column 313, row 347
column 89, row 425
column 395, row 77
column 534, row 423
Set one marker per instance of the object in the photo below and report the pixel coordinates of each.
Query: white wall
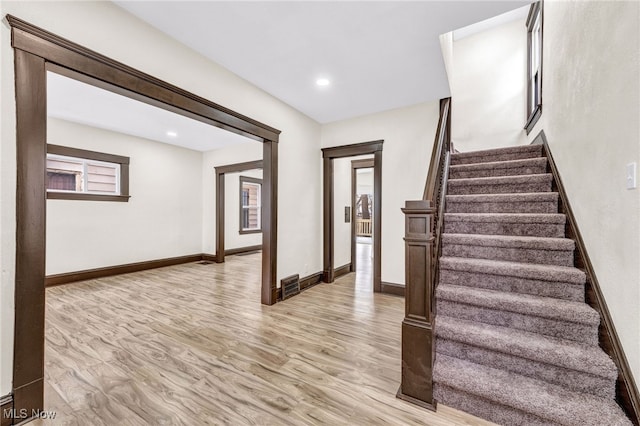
column 107, row 29
column 408, row 135
column 163, row 217
column 232, row 236
column 487, row 76
column 590, row 115
column 341, row 199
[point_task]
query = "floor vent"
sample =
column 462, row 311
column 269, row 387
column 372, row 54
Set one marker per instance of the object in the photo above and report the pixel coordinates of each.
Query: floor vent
column 290, row 286
column 204, row 262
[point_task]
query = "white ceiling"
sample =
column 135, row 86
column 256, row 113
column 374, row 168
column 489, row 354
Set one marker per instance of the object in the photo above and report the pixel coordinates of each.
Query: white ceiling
column 82, row 103
column 378, row 55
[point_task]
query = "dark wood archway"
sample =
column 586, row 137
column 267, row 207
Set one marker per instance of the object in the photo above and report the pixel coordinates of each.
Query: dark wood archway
column 37, row 51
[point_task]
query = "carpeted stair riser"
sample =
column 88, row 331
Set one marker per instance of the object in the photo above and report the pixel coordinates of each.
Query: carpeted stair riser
column 493, row 155
column 559, row 290
column 577, row 381
column 504, row 168
column 529, row 225
column 486, row 409
column 577, row 332
column 545, row 202
column 500, row 185
column 511, row 254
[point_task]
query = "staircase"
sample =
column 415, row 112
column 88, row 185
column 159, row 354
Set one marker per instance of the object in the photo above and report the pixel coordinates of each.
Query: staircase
column 515, row 342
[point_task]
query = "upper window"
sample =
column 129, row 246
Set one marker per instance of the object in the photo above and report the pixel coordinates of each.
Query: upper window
column 78, row 174
column 534, row 68
column 250, row 205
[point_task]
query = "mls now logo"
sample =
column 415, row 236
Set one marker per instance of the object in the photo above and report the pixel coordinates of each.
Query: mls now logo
column 24, row 413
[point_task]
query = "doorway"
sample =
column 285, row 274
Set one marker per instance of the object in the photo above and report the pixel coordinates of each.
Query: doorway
column 362, row 220
column 36, row 52
column 329, row 221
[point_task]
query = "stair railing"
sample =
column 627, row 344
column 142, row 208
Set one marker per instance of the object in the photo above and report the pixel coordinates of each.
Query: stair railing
column 423, row 227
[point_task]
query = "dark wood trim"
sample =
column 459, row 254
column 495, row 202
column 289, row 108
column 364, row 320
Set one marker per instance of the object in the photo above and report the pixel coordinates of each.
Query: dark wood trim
column 377, row 221
column 328, row 227
column 80, row 196
column 240, row 167
column 209, row 257
column 627, row 394
column 60, row 51
column 243, row 179
column 220, row 172
column 31, row 208
column 242, row 250
column 392, row 288
column 328, row 155
column 305, row 283
column 35, row 51
column 533, row 119
column 310, row 281
column 86, row 154
column 352, row 150
column 342, row 270
column 534, row 115
column 90, row 274
column 269, row 222
column 356, row 164
column 6, row 406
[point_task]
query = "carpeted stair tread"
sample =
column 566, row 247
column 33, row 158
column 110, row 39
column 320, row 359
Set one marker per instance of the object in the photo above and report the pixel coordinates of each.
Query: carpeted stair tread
column 526, row 166
column 501, row 184
column 533, row 346
column 498, row 154
column 551, row 273
column 526, row 304
column 534, row 202
column 555, row 244
column 553, row 403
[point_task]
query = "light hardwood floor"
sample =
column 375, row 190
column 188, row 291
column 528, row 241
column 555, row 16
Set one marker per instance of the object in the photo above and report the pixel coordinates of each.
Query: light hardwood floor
column 192, row 345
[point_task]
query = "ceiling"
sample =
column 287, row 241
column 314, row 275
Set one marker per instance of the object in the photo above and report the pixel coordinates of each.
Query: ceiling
column 72, row 100
column 378, row 55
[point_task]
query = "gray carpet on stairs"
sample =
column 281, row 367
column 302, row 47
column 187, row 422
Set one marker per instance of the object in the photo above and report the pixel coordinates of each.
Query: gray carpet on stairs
column 515, row 342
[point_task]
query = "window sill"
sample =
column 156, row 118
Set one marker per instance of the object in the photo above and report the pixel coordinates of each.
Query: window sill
column 533, row 119
column 86, row 197
column 251, row 231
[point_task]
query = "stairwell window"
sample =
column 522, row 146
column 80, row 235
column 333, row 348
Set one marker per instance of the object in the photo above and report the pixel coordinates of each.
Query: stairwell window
column 250, row 205
column 77, row 174
column 534, row 65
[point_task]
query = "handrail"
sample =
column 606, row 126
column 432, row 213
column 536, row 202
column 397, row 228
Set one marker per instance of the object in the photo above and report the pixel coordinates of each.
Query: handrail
column 423, row 227
column 440, row 145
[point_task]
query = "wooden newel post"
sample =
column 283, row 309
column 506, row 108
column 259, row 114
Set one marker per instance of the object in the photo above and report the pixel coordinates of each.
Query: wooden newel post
column 418, row 343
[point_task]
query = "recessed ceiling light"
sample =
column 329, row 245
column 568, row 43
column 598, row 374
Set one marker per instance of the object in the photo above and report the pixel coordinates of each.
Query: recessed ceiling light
column 172, row 134
column 323, row 82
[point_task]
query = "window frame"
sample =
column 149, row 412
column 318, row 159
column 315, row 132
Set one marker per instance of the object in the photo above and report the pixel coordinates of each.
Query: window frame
column 255, row 181
column 534, row 112
column 83, row 154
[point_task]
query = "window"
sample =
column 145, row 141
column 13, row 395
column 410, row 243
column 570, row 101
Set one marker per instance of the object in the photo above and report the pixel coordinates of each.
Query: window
column 250, row 205
column 534, row 65
column 77, row 174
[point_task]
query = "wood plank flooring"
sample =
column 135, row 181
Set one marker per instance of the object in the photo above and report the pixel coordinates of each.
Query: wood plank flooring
column 192, row 345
